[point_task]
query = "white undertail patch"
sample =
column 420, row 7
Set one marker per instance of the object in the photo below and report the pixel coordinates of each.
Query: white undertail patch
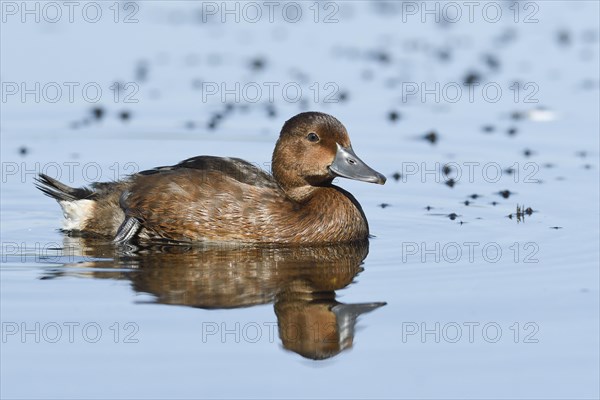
column 76, row 213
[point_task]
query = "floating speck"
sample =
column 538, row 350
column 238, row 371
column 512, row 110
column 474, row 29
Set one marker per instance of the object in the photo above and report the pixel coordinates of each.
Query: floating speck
column 124, row 116
column 450, row 182
column 521, row 213
column 257, row 64
column 517, row 115
column 431, row 137
column 443, row 55
column 271, row 112
column 492, row 61
column 563, row 37
column 541, row 114
column 384, row 205
column 472, row 78
column 446, row 170
column 141, row 71
column 505, row 193
column 393, row 116
column 396, row 176
column 381, row 56
column 98, row 112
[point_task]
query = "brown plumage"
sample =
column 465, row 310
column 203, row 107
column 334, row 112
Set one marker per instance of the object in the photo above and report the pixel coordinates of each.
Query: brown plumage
column 213, row 199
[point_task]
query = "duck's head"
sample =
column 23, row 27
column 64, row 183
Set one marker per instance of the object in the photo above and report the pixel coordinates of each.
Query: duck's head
column 314, row 148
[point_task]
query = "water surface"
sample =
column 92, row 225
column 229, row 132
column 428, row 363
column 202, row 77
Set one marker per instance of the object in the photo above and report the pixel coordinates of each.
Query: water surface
column 458, row 294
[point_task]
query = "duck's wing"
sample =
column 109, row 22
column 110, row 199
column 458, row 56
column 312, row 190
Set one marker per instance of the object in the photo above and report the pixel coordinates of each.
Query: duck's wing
column 199, row 197
column 236, row 168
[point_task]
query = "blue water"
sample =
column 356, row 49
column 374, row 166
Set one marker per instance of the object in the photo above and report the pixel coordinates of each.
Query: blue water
column 455, row 296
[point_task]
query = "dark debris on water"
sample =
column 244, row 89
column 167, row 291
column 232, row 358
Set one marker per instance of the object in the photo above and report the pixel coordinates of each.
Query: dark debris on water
column 141, row 71
column 491, row 61
column 257, row 64
column 393, row 116
column 471, row 78
column 431, row 136
column 446, row 170
column 505, row 193
column 125, row 115
column 521, row 213
column 450, row 182
column 271, row 111
column 98, row 112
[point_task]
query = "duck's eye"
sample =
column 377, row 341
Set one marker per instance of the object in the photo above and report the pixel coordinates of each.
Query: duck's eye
column 312, row 137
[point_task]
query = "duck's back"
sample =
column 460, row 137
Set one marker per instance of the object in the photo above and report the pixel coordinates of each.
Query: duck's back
column 234, row 168
column 202, row 199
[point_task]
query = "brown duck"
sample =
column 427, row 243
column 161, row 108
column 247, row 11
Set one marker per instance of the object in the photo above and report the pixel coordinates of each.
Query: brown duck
column 215, row 199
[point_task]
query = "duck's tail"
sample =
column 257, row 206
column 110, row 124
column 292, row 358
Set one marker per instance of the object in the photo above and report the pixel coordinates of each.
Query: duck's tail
column 78, row 204
column 59, row 191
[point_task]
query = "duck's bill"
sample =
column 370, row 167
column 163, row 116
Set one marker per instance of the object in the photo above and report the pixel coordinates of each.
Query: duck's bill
column 347, row 165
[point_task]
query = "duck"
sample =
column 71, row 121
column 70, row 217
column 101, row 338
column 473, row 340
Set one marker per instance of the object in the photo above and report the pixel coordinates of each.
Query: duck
column 208, row 199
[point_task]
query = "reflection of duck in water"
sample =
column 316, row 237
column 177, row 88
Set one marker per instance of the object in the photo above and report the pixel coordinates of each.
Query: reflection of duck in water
column 300, row 281
column 313, row 324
